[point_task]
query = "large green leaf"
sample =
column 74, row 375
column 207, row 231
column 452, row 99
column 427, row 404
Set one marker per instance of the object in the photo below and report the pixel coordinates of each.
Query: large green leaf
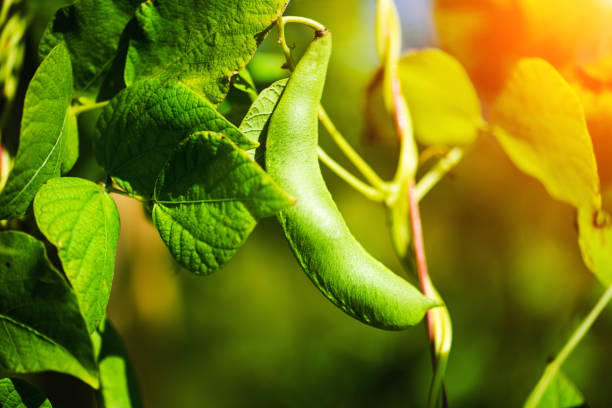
column 540, row 123
column 118, row 385
column 81, row 220
column 144, row 123
column 595, row 240
column 41, row 327
column 15, row 393
column 561, row 393
column 255, row 122
column 199, row 42
column 208, row 199
column 91, row 30
column 46, row 118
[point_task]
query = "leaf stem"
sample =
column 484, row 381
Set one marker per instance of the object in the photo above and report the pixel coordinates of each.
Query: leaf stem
column 315, row 25
column 77, row 110
column 283, row 43
column 368, row 191
column 441, row 168
column 551, row 369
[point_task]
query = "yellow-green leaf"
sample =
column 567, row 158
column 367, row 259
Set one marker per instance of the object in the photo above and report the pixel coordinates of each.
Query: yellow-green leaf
column 540, row 123
column 442, row 100
column 595, row 240
column 443, row 103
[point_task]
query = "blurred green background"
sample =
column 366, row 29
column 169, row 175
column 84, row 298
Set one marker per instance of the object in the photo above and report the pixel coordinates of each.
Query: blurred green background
column 258, row 333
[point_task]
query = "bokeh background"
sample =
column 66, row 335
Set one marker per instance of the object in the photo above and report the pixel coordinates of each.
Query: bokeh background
column 258, row 333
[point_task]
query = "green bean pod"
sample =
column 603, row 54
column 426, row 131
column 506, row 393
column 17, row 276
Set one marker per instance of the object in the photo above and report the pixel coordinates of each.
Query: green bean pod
column 320, row 239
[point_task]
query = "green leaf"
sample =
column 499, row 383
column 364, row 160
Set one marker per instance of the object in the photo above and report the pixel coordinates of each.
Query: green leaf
column 118, row 385
column 540, row 123
column 202, row 43
column 71, row 147
column 561, row 393
column 595, row 240
column 442, row 100
column 15, row 393
column 255, row 122
column 91, row 30
column 208, row 199
column 244, row 82
column 81, row 220
column 144, row 123
column 46, row 117
column 41, row 327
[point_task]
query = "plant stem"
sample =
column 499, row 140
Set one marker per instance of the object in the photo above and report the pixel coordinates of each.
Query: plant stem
column 280, row 24
column 361, row 165
column 77, row 110
column 442, row 167
column 408, row 157
column 439, row 326
column 552, row 368
column 368, row 191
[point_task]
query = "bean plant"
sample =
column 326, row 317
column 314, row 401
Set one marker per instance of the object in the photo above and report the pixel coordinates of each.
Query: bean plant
column 156, row 73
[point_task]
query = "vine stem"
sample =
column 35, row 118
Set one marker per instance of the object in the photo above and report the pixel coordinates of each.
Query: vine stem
column 77, row 110
column 553, row 368
column 368, row 191
column 419, row 251
column 439, row 327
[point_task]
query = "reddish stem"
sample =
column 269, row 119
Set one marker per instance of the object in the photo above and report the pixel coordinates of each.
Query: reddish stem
column 403, row 128
column 402, row 125
column 419, row 251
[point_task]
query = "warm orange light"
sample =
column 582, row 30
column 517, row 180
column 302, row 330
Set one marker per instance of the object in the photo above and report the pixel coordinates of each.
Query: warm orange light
column 489, row 36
